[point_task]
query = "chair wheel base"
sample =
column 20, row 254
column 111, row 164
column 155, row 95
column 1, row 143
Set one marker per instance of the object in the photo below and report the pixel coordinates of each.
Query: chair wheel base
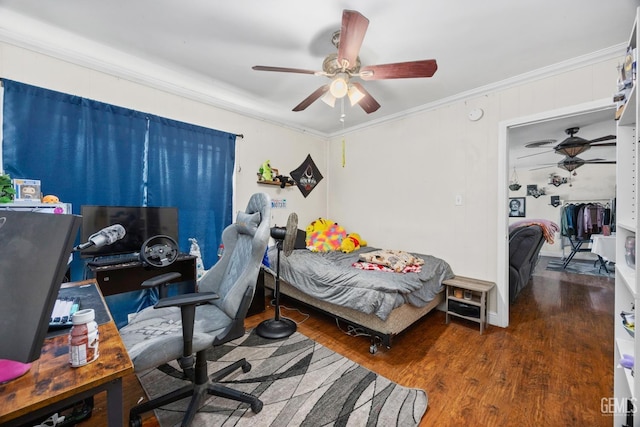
column 256, row 406
column 135, row 421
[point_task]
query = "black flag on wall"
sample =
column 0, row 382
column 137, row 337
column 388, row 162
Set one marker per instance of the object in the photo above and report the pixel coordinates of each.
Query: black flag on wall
column 306, row 176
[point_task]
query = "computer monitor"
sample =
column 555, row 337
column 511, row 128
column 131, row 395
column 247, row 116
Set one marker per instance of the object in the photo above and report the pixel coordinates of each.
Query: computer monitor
column 140, row 223
column 34, row 252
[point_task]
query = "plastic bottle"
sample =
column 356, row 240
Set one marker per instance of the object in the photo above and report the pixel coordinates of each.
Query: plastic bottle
column 83, row 338
column 220, row 250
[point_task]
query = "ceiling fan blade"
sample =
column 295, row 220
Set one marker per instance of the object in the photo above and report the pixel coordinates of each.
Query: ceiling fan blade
column 603, row 138
column 400, row 70
column 368, row 103
column 311, row 98
column 536, row 144
column 601, row 162
column 542, row 167
column 282, row 69
column 604, row 144
column 535, row 154
column 354, row 27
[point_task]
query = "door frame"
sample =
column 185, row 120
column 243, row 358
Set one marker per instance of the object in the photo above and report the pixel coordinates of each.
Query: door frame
column 503, row 188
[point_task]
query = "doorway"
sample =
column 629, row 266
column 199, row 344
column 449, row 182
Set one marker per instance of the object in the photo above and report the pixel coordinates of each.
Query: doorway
column 509, row 137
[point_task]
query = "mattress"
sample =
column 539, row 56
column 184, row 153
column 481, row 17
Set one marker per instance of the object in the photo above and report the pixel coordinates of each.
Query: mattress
column 332, row 278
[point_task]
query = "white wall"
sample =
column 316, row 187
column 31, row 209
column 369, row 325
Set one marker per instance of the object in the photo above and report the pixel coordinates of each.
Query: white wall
column 262, row 141
column 400, row 181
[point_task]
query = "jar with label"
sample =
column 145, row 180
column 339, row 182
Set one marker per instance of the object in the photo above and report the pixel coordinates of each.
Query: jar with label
column 83, row 338
column 630, row 251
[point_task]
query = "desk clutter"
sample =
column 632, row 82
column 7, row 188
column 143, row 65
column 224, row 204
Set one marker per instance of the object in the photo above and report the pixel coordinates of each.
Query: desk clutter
column 63, row 309
column 86, row 296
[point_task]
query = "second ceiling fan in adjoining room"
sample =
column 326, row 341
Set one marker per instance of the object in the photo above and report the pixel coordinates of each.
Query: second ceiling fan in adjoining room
column 573, row 145
column 344, row 66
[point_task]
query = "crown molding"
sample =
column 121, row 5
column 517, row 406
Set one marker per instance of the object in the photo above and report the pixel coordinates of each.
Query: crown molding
column 195, row 88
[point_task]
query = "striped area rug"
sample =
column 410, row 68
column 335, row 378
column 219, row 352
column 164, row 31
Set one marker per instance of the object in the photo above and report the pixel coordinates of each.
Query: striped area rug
column 301, row 383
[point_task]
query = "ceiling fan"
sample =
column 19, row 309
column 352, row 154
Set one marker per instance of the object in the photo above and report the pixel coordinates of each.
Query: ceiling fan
column 570, row 164
column 343, row 66
column 573, row 145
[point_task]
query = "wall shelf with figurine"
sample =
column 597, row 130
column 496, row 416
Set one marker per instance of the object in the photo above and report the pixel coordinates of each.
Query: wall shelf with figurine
column 268, row 175
column 278, row 183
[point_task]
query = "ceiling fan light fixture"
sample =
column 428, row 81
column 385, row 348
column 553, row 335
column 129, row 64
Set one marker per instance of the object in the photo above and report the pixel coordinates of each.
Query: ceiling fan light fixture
column 329, row 99
column 339, row 85
column 570, row 164
column 572, row 147
column 355, row 95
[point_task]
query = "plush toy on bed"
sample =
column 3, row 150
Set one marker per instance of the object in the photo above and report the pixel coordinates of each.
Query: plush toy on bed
column 324, row 235
column 318, row 225
column 352, row 242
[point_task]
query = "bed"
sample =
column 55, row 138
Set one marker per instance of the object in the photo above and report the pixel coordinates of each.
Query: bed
column 382, row 304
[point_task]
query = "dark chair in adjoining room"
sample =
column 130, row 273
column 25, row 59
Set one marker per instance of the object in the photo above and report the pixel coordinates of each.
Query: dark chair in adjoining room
column 524, row 248
column 180, row 326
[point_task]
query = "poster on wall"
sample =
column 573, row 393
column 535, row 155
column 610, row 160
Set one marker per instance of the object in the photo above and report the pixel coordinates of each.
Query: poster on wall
column 306, row 176
column 517, row 207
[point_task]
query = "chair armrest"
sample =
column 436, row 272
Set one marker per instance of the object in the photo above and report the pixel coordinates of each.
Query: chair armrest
column 161, row 279
column 195, row 298
column 187, row 304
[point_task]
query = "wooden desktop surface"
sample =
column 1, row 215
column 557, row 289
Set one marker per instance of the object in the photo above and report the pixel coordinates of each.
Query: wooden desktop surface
column 51, row 379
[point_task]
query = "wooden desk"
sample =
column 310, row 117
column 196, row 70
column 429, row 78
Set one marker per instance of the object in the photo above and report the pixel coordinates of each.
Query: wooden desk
column 52, row 384
column 120, row 278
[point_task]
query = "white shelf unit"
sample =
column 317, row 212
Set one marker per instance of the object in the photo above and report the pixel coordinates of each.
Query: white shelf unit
column 626, row 386
column 63, row 208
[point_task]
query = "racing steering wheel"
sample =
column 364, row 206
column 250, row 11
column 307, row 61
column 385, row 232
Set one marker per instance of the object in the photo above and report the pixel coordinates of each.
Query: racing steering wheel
column 159, row 251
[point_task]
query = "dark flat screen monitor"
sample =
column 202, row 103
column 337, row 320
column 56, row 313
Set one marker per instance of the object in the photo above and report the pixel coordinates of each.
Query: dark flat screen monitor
column 34, row 253
column 140, row 223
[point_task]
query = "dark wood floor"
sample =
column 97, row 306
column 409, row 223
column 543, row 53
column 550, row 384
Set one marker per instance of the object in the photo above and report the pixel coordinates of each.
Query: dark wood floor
column 551, row 366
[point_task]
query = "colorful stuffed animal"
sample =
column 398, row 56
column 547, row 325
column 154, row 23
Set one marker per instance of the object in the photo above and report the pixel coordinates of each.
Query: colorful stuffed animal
column 328, row 240
column 324, row 235
column 352, row 242
column 317, row 226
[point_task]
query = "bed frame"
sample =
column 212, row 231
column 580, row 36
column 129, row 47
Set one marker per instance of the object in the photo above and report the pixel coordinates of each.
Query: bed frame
column 380, row 331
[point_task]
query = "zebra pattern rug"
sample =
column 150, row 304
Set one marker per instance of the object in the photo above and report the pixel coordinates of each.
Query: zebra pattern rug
column 301, row 383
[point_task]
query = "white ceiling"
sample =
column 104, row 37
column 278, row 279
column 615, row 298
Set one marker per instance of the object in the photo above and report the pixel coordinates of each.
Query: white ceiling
column 206, row 48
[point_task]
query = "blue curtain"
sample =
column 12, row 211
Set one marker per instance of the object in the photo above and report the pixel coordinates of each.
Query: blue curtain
column 85, row 152
column 88, row 152
column 198, row 163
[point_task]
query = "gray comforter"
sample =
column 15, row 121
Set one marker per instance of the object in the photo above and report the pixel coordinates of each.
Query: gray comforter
column 330, row 276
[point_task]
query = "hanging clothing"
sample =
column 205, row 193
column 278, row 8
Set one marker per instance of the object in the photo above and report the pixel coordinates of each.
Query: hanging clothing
column 581, row 220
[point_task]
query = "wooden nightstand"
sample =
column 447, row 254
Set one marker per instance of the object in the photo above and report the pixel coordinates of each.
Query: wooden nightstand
column 467, row 298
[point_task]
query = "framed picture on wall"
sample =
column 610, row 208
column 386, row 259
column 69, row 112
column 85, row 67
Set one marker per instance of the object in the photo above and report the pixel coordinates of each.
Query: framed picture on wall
column 532, row 189
column 517, row 207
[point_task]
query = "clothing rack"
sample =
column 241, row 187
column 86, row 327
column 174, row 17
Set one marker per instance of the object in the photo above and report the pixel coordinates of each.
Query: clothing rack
column 577, row 233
